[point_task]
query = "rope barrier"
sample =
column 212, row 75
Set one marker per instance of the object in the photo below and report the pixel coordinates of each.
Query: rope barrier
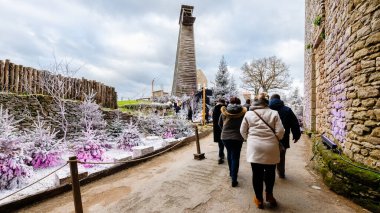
column 34, row 182
column 81, row 162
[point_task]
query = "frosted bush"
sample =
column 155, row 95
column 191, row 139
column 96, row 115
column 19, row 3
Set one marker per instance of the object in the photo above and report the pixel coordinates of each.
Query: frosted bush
column 13, row 170
column 152, row 124
column 115, row 128
column 178, row 128
column 91, row 116
column 169, row 133
column 129, row 138
column 89, row 148
column 45, row 150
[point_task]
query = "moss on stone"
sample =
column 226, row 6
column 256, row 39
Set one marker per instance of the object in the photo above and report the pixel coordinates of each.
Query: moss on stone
column 359, row 185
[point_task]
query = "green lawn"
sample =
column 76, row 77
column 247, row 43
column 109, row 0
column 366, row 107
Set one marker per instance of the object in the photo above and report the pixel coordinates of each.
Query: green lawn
column 131, row 102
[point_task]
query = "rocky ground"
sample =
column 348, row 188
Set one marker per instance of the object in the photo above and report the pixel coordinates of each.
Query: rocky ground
column 175, row 182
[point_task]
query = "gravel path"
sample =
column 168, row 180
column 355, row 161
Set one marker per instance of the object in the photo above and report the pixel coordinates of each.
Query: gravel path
column 175, row 182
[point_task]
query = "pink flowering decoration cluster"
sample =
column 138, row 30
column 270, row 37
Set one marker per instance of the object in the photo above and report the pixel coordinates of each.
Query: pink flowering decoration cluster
column 169, row 133
column 42, row 159
column 129, row 138
column 13, row 170
column 88, row 148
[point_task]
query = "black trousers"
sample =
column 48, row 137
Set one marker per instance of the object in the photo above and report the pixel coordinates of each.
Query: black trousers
column 221, row 149
column 281, row 165
column 263, row 173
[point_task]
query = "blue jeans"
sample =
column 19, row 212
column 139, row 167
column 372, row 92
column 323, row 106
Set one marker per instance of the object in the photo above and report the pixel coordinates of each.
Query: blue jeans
column 233, row 156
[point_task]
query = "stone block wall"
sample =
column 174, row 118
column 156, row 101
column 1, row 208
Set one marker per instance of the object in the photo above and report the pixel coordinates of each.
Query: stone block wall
column 342, row 75
column 26, row 107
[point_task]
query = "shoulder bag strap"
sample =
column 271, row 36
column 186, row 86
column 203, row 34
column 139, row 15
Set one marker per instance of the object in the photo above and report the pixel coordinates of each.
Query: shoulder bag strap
column 274, row 132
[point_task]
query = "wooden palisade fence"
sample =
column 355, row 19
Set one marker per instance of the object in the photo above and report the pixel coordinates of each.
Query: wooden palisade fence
column 26, row 80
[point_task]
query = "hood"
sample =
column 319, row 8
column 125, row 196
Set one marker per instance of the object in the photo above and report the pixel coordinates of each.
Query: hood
column 276, row 103
column 233, row 110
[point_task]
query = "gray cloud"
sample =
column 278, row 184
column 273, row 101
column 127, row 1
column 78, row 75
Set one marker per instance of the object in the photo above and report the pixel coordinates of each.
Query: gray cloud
column 126, row 44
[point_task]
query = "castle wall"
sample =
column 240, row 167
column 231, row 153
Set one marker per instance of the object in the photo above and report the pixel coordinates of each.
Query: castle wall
column 342, row 75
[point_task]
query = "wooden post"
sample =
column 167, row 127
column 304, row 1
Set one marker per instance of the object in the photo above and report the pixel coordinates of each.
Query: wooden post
column 75, row 185
column 6, row 76
column 17, row 78
column 199, row 155
column 21, row 79
column 11, row 77
column 204, row 104
column 34, row 82
column 2, row 75
column 30, row 80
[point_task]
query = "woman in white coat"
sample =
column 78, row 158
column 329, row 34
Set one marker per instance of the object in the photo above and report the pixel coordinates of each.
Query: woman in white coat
column 262, row 129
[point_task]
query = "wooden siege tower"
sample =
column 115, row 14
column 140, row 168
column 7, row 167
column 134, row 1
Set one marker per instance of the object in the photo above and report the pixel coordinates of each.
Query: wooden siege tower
column 185, row 72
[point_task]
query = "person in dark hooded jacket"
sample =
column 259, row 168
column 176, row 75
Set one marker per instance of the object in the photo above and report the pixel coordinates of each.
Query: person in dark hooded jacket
column 230, row 121
column 216, row 128
column 290, row 122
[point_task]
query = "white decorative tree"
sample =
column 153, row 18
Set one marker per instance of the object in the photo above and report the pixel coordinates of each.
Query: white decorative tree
column 45, row 149
column 222, row 80
column 233, row 90
column 13, row 170
column 129, row 138
column 115, row 128
column 90, row 145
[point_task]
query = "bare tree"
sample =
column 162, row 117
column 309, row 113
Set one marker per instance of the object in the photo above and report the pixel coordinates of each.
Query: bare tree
column 56, row 84
column 54, row 81
column 265, row 74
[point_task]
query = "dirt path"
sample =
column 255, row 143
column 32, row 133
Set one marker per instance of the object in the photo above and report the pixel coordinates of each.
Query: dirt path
column 174, row 182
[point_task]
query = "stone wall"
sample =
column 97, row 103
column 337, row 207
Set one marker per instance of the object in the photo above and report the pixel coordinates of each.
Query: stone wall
column 26, row 108
column 342, row 75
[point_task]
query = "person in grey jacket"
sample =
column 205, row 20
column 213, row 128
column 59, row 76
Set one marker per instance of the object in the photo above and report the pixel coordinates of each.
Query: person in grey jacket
column 230, row 121
column 262, row 128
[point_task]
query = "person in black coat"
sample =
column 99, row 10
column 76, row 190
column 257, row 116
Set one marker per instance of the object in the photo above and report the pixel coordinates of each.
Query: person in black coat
column 217, row 130
column 290, row 122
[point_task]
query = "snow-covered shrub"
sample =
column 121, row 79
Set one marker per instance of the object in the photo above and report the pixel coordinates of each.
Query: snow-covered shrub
column 178, row 127
column 91, row 120
column 152, row 124
column 115, row 128
column 45, row 150
column 129, row 138
column 91, row 144
column 183, row 128
column 169, row 133
column 13, row 170
column 89, row 148
column 91, row 116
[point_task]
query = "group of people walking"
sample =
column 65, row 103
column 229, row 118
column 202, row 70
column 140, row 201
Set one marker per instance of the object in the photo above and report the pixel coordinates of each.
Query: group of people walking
column 265, row 125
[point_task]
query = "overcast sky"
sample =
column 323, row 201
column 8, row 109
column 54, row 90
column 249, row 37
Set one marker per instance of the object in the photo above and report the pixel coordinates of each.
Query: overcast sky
column 127, row 43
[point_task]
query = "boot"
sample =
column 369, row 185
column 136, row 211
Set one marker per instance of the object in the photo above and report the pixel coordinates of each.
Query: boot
column 259, row 203
column 269, row 197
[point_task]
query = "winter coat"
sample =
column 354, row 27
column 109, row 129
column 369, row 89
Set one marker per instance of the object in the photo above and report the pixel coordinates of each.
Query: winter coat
column 262, row 144
column 215, row 119
column 247, row 106
column 230, row 121
column 289, row 121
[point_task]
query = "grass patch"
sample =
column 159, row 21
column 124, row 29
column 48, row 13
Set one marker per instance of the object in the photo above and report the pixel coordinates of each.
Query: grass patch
column 132, row 102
